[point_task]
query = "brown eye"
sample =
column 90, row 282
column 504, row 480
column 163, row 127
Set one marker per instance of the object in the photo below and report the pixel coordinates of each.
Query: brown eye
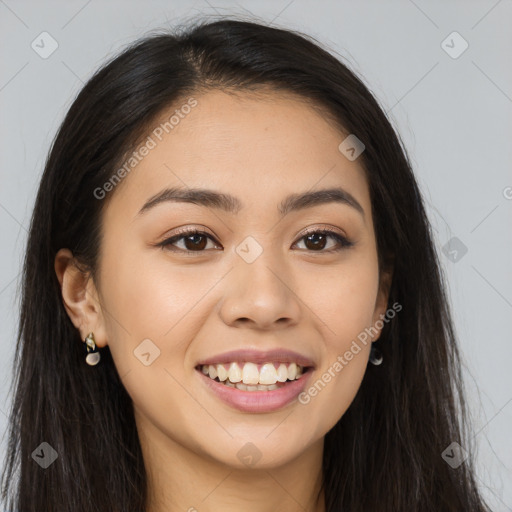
column 316, row 241
column 195, row 242
column 192, row 241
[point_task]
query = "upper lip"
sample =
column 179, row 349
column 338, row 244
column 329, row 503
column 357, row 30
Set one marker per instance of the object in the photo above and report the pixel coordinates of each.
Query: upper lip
column 278, row 355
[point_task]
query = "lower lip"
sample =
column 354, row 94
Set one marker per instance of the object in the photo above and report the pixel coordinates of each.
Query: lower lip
column 257, row 401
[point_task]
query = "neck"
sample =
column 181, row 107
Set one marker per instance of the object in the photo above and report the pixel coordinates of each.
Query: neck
column 180, row 479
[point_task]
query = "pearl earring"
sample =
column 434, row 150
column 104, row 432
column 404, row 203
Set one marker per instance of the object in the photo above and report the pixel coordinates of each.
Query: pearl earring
column 93, row 356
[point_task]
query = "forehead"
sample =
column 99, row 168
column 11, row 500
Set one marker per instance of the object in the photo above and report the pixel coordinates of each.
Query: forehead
column 258, row 147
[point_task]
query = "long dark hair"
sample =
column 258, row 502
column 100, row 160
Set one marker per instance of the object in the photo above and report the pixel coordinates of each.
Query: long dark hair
column 385, row 453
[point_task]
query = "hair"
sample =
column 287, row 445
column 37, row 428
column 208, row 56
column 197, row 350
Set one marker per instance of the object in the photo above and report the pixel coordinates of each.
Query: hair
column 385, row 452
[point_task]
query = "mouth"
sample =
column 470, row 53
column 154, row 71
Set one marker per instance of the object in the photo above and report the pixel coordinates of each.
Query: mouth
column 250, row 376
column 256, row 381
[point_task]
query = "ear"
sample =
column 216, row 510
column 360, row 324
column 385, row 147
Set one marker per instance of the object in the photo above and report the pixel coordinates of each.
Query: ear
column 80, row 297
column 381, row 301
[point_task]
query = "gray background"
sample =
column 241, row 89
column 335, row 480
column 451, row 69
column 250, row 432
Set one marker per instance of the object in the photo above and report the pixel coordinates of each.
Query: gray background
column 454, row 115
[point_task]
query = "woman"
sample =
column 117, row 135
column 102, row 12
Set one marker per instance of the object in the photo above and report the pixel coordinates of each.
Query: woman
column 231, row 297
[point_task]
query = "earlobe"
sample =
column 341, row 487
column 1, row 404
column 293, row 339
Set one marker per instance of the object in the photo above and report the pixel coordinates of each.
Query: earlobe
column 79, row 297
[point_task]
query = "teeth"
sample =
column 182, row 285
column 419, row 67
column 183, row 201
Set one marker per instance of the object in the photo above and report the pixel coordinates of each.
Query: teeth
column 268, row 374
column 234, row 373
column 282, row 373
column 249, row 375
column 259, row 387
column 222, row 373
column 292, row 371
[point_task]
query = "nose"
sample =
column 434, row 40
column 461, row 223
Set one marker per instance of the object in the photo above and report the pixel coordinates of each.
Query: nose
column 260, row 295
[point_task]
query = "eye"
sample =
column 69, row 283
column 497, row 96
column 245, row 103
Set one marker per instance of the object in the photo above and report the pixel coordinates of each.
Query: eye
column 316, row 240
column 192, row 241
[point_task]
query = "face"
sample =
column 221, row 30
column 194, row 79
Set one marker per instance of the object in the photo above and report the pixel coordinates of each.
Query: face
column 245, row 272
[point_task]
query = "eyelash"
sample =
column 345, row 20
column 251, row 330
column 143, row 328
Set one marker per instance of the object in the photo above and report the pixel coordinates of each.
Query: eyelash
column 343, row 242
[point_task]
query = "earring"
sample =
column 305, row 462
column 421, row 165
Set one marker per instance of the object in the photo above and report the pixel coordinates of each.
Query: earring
column 93, row 356
column 376, row 356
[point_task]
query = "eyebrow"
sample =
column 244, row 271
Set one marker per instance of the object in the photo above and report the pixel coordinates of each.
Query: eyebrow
column 231, row 204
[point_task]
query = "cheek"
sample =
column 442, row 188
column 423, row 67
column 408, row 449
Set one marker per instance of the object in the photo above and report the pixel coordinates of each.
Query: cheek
column 150, row 321
column 344, row 300
column 148, row 295
column 147, row 298
column 332, row 389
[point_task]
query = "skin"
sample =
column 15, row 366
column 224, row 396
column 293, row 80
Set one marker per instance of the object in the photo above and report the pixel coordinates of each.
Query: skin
column 315, row 302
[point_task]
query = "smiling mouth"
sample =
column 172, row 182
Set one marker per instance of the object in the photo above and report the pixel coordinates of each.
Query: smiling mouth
column 253, row 377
